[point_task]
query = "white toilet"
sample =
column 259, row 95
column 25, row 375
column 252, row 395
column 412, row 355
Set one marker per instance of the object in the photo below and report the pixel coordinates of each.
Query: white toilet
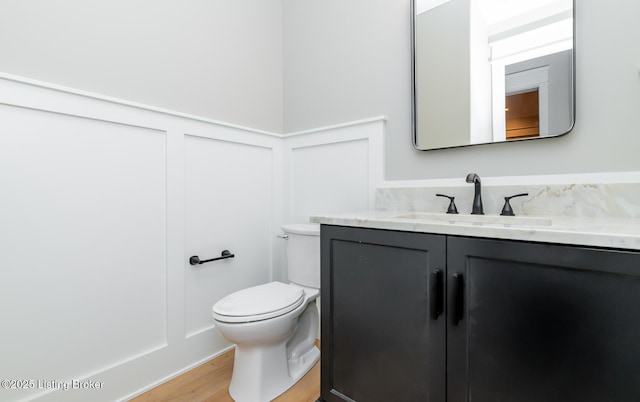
column 274, row 326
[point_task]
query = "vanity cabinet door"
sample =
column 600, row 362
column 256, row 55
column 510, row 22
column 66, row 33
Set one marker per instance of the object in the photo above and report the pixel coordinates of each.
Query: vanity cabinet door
column 538, row 322
column 383, row 319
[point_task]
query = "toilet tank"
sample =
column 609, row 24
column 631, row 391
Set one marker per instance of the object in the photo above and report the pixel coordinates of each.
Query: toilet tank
column 303, row 254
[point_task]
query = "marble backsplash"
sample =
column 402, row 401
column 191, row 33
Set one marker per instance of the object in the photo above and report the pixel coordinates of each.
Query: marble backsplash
column 609, row 200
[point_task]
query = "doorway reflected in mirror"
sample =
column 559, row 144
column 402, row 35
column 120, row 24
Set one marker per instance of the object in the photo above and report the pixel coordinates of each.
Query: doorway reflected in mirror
column 522, row 115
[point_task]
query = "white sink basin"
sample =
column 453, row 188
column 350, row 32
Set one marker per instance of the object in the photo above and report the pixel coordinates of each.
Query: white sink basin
column 476, row 219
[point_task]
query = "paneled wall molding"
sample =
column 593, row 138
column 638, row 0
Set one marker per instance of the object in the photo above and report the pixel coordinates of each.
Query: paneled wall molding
column 83, row 100
column 119, row 195
column 98, row 188
column 333, row 169
column 85, row 200
column 336, row 126
column 112, row 197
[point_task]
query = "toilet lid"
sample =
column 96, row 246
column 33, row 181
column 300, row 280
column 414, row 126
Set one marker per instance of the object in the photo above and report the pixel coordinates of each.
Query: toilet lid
column 258, row 303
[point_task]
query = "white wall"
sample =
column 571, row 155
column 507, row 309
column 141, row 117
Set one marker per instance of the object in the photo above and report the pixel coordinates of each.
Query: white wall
column 216, row 59
column 102, row 206
column 286, row 66
column 332, row 169
column 107, row 201
column 347, row 61
column 103, row 202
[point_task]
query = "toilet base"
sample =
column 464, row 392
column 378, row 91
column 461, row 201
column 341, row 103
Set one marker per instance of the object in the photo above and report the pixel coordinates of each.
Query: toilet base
column 262, row 372
column 301, row 366
column 253, row 382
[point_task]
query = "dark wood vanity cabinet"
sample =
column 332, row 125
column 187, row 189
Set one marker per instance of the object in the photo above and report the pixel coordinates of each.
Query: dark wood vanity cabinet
column 421, row 317
column 379, row 339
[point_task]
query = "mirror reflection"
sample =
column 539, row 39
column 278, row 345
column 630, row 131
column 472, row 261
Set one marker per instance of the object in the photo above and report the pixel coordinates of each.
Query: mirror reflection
column 489, row 71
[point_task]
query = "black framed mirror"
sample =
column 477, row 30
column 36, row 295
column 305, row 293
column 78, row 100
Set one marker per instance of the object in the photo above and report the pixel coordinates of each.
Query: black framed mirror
column 488, row 71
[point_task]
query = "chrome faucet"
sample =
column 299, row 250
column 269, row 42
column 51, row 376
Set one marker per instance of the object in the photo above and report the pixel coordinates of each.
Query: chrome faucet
column 477, row 197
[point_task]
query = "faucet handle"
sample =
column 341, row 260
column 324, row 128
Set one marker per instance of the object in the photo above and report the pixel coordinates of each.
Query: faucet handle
column 506, row 210
column 452, row 205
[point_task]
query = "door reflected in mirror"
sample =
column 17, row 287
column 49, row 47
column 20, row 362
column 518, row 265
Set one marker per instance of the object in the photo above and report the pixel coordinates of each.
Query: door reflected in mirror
column 522, row 115
column 488, row 71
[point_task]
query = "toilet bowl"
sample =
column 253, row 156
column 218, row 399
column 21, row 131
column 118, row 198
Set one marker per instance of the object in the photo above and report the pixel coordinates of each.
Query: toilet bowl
column 274, row 325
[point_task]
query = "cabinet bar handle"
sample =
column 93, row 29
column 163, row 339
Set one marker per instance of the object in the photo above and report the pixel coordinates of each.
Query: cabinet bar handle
column 437, row 294
column 458, row 309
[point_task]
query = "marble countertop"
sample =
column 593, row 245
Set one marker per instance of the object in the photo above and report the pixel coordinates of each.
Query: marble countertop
column 616, row 233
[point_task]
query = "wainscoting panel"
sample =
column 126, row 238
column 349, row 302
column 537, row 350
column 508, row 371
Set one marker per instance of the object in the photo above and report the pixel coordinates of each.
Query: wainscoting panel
column 83, row 244
column 333, row 170
column 329, row 178
column 228, row 207
column 103, row 201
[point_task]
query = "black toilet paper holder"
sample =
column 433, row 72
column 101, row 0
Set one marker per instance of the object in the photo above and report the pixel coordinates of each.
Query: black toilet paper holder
column 195, row 260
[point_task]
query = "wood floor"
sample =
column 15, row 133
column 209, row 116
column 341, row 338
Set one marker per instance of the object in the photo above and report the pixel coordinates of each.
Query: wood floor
column 210, row 381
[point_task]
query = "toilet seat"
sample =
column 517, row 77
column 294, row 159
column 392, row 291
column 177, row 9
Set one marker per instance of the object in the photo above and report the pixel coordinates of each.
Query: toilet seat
column 258, row 303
